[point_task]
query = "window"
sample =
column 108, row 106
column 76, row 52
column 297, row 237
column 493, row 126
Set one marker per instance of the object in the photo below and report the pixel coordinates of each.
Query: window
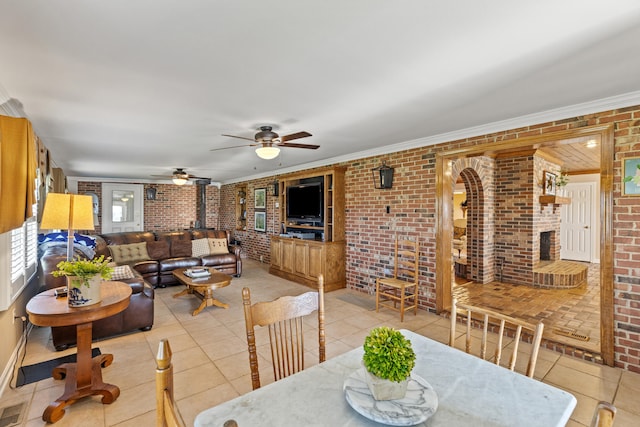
column 19, row 249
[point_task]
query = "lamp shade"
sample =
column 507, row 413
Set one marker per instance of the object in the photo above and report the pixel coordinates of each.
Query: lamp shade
column 267, row 152
column 70, row 212
column 67, row 211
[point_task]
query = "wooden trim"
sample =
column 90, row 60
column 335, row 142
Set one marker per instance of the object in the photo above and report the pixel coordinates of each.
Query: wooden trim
column 444, row 225
column 606, row 246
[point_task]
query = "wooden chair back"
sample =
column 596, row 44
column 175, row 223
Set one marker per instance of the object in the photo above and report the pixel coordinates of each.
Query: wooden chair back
column 284, row 319
column 400, row 292
column 604, row 414
column 505, row 323
column 167, row 414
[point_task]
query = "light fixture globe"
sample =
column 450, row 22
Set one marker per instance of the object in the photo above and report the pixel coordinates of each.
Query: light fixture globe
column 267, row 152
column 179, row 180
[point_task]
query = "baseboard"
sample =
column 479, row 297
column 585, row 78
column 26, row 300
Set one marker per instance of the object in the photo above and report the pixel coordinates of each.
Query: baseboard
column 8, row 369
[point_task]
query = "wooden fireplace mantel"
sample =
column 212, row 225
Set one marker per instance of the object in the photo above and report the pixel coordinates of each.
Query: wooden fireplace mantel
column 556, row 200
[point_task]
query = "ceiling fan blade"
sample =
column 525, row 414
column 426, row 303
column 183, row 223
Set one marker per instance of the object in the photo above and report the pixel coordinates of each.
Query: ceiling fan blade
column 237, row 146
column 239, row 137
column 294, row 145
column 298, row 135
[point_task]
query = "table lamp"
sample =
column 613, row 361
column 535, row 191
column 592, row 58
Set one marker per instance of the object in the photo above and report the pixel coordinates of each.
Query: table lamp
column 67, row 211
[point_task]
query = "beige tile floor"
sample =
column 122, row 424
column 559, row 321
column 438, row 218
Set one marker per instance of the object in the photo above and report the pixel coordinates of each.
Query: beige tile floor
column 211, row 363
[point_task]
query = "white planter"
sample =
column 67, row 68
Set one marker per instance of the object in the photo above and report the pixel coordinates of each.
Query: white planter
column 383, row 389
column 83, row 291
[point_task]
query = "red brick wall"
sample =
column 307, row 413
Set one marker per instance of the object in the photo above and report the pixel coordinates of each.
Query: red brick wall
column 479, row 176
column 255, row 245
column 369, row 229
column 173, row 209
column 412, row 203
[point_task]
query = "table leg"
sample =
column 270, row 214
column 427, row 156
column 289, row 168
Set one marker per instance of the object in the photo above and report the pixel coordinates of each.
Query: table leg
column 83, row 378
column 207, row 300
column 185, row 291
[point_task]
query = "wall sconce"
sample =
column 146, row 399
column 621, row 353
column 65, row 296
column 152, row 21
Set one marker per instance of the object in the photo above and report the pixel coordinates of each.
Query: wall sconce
column 273, row 188
column 382, row 176
column 151, row 193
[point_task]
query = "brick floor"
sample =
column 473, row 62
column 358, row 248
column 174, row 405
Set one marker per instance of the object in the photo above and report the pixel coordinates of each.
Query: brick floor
column 569, row 315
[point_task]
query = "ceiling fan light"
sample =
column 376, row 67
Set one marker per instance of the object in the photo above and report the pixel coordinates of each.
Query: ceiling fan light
column 179, row 180
column 267, row 153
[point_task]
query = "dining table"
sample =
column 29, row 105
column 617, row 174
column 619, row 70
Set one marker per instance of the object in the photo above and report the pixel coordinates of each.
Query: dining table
column 459, row 390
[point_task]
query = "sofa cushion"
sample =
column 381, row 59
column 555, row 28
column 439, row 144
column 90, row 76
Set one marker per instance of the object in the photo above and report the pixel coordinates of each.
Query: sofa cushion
column 180, row 248
column 200, row 247
column 218, row 246
column 121, row 272
column 219, row 259
column 170, row 264
column 123, row 254
column 158, row 249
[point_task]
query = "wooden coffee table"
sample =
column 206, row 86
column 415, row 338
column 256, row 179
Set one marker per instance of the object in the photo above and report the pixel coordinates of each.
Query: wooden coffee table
column 83, row 378
column 203, row 287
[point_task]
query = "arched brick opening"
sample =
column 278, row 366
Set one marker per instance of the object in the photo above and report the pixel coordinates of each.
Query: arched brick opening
column 477, row 174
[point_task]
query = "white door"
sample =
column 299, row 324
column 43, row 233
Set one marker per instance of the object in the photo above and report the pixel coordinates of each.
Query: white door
column 576, row 227
column 122, row 207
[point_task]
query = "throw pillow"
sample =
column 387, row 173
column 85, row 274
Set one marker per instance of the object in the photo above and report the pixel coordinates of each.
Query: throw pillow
column 124, row 254
column 122, row 272
column 200, row 247
column 218, row 246
column 458, row 232
column 158, row 249
column 181, row 248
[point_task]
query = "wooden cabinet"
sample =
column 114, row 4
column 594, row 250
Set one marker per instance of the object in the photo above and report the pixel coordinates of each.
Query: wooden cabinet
column 302, row 260
column 241, row 208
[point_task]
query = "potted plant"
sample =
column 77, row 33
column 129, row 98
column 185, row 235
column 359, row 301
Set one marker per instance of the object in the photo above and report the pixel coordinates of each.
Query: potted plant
column 83, row 278
column 561, row 181
column 388, row 360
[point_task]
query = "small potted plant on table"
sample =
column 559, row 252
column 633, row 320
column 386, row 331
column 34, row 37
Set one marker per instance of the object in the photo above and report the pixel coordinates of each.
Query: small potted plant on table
column 83, row 279
column 389, row 359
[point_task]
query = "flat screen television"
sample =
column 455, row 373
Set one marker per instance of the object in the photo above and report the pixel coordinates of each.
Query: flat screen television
column 305, row 202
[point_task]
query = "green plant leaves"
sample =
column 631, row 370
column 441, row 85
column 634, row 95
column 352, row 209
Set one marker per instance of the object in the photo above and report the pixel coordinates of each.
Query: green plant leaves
column 388, row 354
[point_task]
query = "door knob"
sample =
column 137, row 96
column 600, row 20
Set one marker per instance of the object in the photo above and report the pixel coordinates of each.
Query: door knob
column 586, row 226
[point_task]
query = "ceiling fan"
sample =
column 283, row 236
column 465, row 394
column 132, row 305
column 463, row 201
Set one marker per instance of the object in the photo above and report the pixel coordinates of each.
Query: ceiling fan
column 269, row 142
column 180, row 177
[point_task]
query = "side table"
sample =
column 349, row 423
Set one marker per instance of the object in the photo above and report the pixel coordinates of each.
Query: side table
column 84, row 377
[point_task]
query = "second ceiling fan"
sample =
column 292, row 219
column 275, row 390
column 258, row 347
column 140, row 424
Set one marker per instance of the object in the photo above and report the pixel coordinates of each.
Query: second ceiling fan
column 269, row 142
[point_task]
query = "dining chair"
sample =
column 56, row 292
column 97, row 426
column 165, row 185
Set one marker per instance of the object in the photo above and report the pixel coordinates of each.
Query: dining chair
column 603, row 415
column 507, row 325
column 167, row 413
column 402, row 288
column 283, row 318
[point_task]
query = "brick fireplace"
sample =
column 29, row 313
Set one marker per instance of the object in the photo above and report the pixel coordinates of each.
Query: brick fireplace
column 510, row 234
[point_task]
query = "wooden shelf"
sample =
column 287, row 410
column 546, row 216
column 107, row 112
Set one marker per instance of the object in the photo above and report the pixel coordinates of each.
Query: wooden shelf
column 555, row 200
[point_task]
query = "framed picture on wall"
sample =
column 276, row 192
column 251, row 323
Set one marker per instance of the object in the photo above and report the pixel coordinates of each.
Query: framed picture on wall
column 549, row 183
column 260, row 222
column 631, row 177
column 260, row 198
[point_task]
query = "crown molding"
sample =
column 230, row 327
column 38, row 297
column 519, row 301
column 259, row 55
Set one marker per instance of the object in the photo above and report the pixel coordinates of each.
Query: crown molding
column 619, row 101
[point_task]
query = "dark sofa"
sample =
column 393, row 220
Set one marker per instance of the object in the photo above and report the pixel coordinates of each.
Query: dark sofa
column 138, row 315
column 172, row 249
column 166, row 252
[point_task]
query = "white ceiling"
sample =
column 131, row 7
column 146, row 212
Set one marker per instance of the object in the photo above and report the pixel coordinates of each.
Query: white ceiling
column 132, row 88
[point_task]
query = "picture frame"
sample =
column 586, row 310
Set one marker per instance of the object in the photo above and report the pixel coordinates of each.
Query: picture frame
column 260, row 221
column 260, row 198
column 549, row 185
column 631, row 176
